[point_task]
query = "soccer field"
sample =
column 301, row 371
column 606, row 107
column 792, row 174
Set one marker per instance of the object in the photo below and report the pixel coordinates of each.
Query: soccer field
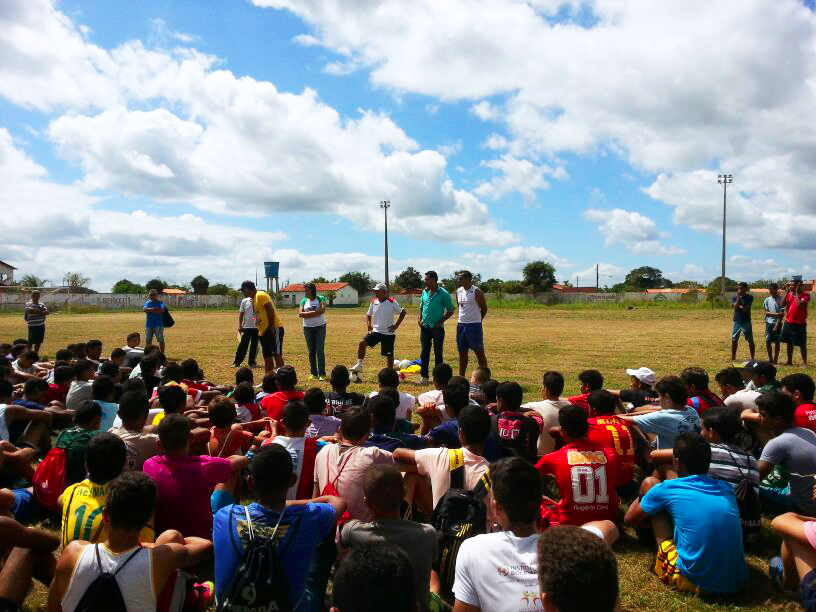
column 520, row 344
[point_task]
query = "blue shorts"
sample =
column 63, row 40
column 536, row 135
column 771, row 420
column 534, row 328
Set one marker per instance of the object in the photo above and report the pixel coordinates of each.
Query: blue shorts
column 151, row 331
column 26, row 509
column 772, row 332
column 469, row 336
column 743, row 328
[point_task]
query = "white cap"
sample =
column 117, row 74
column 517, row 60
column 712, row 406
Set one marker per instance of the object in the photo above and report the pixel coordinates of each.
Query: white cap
column 644, row 375
column 380, row 287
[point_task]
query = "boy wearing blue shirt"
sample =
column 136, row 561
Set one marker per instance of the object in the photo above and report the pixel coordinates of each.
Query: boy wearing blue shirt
column 696, row 523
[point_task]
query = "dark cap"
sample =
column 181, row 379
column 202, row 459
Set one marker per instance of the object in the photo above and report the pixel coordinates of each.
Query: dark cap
column 764, row 368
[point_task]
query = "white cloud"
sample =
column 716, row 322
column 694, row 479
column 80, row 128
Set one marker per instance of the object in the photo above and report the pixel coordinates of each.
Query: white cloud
column 637, row 233
column 518, row 175
column 163, row 32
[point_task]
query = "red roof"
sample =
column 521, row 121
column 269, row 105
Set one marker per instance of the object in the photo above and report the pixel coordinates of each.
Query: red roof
column 300, row 287
column 565, row 289
column 171, row 291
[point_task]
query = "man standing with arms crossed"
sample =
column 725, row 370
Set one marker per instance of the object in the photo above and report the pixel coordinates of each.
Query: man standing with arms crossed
column 154, row 322
column 34, row 314
column 794, row 331
column 270, row 326
column 472, row 310
column 435, row 307
column 381, row 328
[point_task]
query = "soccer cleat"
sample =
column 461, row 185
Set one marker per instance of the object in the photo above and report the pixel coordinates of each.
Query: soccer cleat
column 310, row 377
column 357, row 367
column 321, row 378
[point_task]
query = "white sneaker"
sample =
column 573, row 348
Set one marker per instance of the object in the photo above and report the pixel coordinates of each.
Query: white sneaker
column 357, row 367
column 424, row 381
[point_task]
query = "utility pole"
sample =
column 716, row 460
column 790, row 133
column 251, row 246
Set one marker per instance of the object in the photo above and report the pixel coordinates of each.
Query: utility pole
column 724, row 180
column 576, row 280
column 385, row 205
column 597, row 281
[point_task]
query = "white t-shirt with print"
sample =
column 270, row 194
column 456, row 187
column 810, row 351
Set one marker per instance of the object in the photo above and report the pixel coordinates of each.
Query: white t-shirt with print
column 499, row 572
column 296, row 448
column 308, row 305
column 548, row 411
column 383, row 315
column 248, row 322
column 406, row 405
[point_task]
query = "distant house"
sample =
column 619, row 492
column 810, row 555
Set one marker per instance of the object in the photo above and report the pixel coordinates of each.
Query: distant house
column 171, row 291
column 673, row 290
column 568, row 289
column 344, row 294
column 6, row 273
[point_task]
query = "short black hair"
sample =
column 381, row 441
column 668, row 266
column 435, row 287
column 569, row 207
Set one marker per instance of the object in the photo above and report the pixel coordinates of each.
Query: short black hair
column 389, row 392
column 190, row 369
column 742, row 285
column 108, row 368
column 244, row 393
column 134, row 384
column 105, row 457
column 553, row 381
column 474, row 423
column 460, row 381
column 64, row 355
column 248, row 284
column 693, row 452
column 172, row 398
column 103, row 388
column 602, row 402
column 489, row 390
column 777, row 404
column 442, row 374
column 286, row 377
column 466, row 274
column 432, row 274
column 511, row 394
column 295, row 415
column 174, row 432
column 724, row 421
column 82, row 366
column 673, row 387
column 31, row 356
column 764, row 368
column 482, row 374
column 517, row 488
column 62, row 374
column 388, row 377
column 383, row 487
column 592, row 379
column 730, row 376
column 6, row 388
column 35, row 385
column 695, row 376
column 244, row 374
column 799, row 382
column 93, row 344
column 133, row 405
column 133, row 335
column 355, row 423
column 271, row 469
column 118, row 352
column 456, row 398
column 315, row 400
column 577, row 570
column 382, row 409
column 149, row 363
column 86, row 412
column 773, row 286
column 372, row 574
column 172, row 372
column 130, row 501
column 573, row 420
column 268, row 383
column 221, row 410
column 340, row 378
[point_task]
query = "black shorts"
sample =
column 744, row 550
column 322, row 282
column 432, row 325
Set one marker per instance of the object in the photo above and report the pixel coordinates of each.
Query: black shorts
column 794, row 333
column 36, row 334
column 272, row 341
column 386, row 342
column 807, row 590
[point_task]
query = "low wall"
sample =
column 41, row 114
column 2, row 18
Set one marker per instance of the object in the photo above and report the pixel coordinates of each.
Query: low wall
column 556, row 297
column 115, row 301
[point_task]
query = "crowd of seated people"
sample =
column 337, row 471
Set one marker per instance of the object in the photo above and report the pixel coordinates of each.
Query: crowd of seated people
column 150, row 472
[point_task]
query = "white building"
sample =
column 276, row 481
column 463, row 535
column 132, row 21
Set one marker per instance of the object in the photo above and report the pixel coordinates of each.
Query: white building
column 344, row 294
column 6, row 273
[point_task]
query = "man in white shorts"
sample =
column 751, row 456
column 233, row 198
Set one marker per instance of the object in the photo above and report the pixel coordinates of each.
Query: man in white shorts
column 381, row 328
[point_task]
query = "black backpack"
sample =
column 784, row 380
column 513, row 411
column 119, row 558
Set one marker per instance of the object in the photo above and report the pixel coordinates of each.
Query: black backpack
column 459, row 515
column 748, row 504
column 103, row 594
column 167, row 318
column 517, row 434
column 260, row 582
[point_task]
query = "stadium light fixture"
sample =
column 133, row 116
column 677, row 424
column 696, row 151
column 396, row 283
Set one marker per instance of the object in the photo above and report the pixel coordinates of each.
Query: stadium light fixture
column 724, row 180
column 385, row 205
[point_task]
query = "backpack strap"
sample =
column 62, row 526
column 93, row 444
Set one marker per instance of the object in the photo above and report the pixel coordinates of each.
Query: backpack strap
column 456, row 458
column 342, row 467
column 121, row 567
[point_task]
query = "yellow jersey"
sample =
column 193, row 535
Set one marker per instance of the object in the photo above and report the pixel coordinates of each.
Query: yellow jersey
column 262, row 318
column 82, row 505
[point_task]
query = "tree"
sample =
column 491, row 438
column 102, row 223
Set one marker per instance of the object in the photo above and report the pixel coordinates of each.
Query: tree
column 409, row 279
column 492, row 285
column 125, row 286
column 688, row 284
column 32, row 280
column 157, row 284
column 452, row 282
column 319, row 279
column 730, row 284
column 646, row 277
column 514, row 286
column 330, row 295
column 75, row 280
column 199, row 285
column 361, row 281
column 218, row 289
column 540, row 275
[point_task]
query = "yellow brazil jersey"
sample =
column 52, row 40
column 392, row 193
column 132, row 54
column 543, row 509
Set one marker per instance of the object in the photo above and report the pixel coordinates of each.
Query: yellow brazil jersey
column 159, row 418
column 259, row 304
column 82, row 505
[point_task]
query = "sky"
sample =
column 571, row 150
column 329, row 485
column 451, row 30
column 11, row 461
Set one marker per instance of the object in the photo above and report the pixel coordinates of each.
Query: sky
column 176, row 138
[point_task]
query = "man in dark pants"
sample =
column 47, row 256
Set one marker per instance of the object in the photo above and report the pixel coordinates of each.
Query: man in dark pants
column 248, row 331
column 35, row 313
column 435, row 307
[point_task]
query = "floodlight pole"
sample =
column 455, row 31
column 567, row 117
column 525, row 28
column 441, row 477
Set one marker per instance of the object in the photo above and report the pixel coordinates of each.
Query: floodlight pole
column 385, row 205
column 724, row 180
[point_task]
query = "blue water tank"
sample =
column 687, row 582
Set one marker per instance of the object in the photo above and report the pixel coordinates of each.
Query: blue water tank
column 271, row 269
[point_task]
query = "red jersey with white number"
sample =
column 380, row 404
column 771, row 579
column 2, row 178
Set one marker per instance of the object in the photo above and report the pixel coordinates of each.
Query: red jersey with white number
column 613, row 432
column 586, row 474
column 805, row 416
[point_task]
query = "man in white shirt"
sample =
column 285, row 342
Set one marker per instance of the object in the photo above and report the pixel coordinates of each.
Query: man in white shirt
column 248, row 331
column 381, row 328
column 552, row 385
column 472, row 309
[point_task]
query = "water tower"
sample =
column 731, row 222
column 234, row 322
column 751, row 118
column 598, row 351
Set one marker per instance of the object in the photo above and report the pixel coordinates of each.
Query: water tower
column 271, row 269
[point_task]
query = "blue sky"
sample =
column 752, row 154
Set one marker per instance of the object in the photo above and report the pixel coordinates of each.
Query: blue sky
column 576, row 132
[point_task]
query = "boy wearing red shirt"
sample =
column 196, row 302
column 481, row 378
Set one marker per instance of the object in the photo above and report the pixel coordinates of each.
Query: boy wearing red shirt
column 585, row 472
column 591, row 380
column 700, row 397
column 285, row 379
column 801, row 388
column 613, row 432
column 794, row 332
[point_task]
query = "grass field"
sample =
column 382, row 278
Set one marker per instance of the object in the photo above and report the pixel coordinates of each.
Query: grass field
column 520, row 344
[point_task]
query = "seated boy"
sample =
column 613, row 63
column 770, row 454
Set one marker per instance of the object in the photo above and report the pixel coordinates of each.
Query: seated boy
column 383, row 419
column 701, row 398
column 320, row 425
column 82, row 387
column 552, row 386
column 591, row 380
column 83, row 502
column 290, row 432
column 20, row 425
column 674, row 416
column 140, row 445
column 384, row 491
column 796, row 567
column 372, row 574
column 478, row 378
column 60, row 384
column 338, row 399
column 440, row 376
column 103, row 391
column 611, row 431
column 516, row 432
column 74, row 440
column 801, row 388
column 185, row 483
column 388, row 377
column 245, row 407
column 129, row 504
column 640, row 391
column 25, row 367
column 696, row 523
column 285, row 381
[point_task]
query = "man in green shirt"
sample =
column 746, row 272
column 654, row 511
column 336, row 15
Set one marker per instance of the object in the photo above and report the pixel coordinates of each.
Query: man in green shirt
column 435, row 307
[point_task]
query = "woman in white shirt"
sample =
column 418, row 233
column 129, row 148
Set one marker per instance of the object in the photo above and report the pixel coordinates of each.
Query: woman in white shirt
column 313, row 313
